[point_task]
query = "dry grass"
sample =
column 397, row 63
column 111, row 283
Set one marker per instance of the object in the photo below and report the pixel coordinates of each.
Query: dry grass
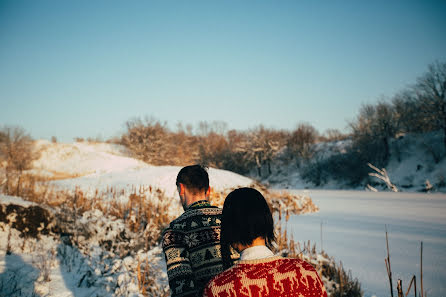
column 146, row 212
column 146, row 281
column 281, row 203
column 64, row 175
column 145, row 206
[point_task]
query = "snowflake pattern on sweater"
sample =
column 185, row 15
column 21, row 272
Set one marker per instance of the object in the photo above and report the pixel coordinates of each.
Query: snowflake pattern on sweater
column 191, row 246
column 267, row 277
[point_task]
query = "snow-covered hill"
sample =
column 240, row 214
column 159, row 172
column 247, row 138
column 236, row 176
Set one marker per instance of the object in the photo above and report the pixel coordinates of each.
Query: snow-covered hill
column 98, row 166
column 415, row 160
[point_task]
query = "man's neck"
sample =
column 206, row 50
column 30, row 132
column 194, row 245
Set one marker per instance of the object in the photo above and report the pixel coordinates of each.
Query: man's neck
column 192, row 197
column 196, row 199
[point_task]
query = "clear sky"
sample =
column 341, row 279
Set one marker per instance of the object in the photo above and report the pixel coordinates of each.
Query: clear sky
column 83, row 68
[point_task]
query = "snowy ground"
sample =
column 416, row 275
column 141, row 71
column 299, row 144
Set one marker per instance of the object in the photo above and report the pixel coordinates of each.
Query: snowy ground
column 353, row 228
column 98, row 166
column 89, row 270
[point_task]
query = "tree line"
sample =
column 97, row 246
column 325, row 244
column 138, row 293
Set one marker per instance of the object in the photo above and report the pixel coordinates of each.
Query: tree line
column 419, row 108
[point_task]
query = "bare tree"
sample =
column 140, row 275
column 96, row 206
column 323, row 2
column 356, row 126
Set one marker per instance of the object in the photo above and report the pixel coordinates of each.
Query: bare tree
column 372, row 130
column 431, row 93
column 300, row 142
column 334, row 135
column 217, row 127
column 407, row 113
column 260, row 145
column 16, row 150
column 148, row 140
column 183, row 148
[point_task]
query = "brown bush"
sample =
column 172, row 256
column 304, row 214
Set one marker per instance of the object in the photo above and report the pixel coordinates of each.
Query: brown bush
column 17, row 152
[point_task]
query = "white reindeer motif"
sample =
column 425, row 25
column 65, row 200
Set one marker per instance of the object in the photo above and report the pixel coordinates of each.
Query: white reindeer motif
column 305, row 274
column 206, row 222
column 280, row 277
column 179, row 226
column 228, row 288
column 179, row 288
column 258, row 282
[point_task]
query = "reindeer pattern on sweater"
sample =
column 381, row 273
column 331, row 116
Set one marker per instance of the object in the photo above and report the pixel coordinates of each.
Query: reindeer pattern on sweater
column 267, row 277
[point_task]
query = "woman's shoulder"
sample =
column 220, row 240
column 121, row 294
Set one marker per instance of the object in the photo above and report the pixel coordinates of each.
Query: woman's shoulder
column 292, row 263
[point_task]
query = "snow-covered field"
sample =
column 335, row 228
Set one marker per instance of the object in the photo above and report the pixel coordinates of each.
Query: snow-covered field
column 353, row 228
column 48, row 266
column 353, row 231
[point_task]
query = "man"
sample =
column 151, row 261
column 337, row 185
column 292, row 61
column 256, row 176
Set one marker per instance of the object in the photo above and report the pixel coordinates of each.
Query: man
column 191, row 243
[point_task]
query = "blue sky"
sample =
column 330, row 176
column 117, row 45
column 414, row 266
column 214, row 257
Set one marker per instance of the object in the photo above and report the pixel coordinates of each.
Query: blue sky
column 83, row 68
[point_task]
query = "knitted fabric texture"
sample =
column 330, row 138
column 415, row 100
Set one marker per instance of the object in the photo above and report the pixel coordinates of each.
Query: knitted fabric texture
column 268, row 277
column 191, row 246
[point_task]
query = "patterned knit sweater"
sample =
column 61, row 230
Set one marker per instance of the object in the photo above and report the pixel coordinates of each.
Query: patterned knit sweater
column 267, row 277
column 191, row 245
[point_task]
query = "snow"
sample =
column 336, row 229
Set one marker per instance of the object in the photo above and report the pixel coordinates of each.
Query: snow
column 353, row 223
column 80, row 158
column 98, row 166
column 417, row 165
column 88, row 269
column 162, row 177
column 4, row 199
column 83, row 270
column 353, row 228
column 411, row 163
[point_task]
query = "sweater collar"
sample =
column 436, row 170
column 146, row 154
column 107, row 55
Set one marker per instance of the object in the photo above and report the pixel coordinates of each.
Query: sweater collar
column 256, row 252
column 199, row 204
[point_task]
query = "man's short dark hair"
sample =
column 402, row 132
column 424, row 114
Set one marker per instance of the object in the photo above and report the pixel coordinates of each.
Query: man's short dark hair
column 194, row 177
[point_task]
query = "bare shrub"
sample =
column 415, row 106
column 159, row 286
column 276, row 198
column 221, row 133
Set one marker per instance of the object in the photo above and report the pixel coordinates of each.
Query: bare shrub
column 346, row 168
column 147, row 281
column 259, row 146
column 332, row 135
column 148, row 140
column 372, row 131
column 300, row 142
column 44, row 262
column 16, row 150
column 430, row 92
column 280, row 202
column 235, row 158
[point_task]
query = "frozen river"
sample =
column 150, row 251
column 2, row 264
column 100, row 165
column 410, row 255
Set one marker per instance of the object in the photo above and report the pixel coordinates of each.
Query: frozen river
column 353, row 228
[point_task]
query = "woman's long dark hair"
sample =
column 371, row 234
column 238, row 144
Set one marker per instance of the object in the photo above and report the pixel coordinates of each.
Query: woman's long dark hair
column 246, row 216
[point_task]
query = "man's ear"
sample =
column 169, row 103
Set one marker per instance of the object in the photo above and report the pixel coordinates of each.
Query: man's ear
column 208, row 192
column 181, row 189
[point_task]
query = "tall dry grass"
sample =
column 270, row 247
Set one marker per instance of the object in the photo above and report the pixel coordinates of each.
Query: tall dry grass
column 145, row 213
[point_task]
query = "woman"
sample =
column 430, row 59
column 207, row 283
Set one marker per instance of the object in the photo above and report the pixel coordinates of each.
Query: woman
column 247, row 226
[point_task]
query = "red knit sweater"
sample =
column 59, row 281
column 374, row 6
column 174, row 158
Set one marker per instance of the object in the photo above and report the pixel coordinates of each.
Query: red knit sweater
column 267, row 277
